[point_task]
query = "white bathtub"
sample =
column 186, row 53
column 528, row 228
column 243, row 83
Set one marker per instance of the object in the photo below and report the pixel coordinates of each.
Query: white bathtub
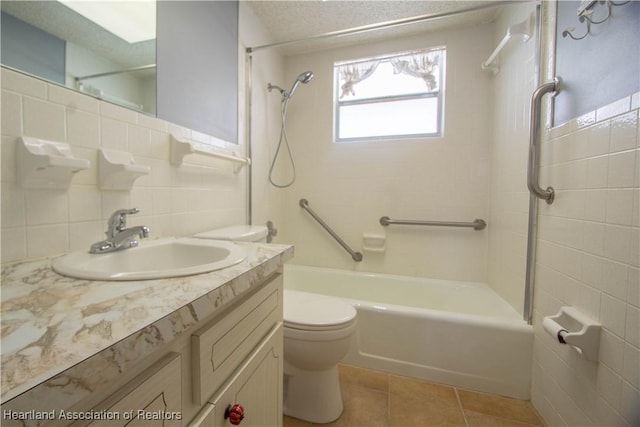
column 457, row 333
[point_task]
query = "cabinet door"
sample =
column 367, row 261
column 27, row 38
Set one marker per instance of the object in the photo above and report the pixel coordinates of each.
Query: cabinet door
column 257, row 386
column 154, row 398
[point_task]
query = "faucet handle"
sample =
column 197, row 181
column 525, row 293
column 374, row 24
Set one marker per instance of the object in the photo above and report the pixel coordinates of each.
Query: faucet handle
column 118, row 221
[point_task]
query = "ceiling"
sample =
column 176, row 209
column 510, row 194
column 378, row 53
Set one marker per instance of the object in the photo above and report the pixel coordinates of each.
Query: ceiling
column 299, row 20
column 286, row 20
column 57, row 19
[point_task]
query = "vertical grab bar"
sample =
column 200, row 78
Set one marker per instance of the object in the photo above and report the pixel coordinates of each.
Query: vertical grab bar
column 534, row 144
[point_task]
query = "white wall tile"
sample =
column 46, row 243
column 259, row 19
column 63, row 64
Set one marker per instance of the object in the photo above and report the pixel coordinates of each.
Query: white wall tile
column 11, row 113
column 46, row 207
column 613, row 109
column 14, row 244
column 633, row 294
column 13, row 206
column 612, row 351
column 613, row 314
column 615, row 279
column 85, row 204
column 623, row 132
column 621, row 169
column 44, row 120
column 617, row 243
column 83, row 234
column 632, row 331
column 597, row 172
column 630, row 410
column 71, row 99
column 113, row 134
column 21, row 83
column 46, row 240
column 619, row 206
column 631, row 369
column 610, row 386
column 83, row 129
column 608, row 286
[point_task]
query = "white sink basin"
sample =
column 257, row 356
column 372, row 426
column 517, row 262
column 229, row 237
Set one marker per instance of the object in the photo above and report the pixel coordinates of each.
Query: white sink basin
column 155, row 259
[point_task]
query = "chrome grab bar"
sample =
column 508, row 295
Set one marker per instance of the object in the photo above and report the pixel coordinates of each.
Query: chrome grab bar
column 534, row 146
column 357, row 256
column 478, row 224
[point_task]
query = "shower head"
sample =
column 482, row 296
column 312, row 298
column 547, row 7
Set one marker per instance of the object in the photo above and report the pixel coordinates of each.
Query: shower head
column 302, row 78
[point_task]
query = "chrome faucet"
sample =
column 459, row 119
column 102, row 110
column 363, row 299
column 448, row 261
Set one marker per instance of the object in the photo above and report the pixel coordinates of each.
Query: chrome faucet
column 118, row 236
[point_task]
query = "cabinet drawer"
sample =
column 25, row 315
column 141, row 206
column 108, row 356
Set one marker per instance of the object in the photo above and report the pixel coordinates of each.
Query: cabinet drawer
column 218, row 348
column 257, row 386
column 154, row 398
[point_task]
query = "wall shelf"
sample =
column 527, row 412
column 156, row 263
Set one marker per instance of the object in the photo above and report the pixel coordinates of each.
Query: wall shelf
column 117, row 170
column 181, row 147
column 46, row 164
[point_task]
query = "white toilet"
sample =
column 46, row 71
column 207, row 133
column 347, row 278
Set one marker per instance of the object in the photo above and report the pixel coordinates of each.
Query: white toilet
column 317, row 333
column 239, row 233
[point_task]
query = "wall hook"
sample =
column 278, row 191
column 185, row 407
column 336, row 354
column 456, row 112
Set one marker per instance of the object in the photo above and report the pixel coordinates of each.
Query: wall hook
column 585, row 13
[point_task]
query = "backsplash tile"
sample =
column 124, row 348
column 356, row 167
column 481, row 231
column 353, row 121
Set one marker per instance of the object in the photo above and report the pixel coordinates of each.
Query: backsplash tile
column 173, row 201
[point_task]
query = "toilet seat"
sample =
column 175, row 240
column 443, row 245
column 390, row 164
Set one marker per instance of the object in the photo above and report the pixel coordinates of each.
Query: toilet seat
column 312, row 312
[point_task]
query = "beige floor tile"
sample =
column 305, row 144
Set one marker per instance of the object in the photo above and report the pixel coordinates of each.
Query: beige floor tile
column 480, row 420
column 363, row 407
column 417, row 403
column 294, row 422
column 498, row 406
column 421, row 390
column 364, row 377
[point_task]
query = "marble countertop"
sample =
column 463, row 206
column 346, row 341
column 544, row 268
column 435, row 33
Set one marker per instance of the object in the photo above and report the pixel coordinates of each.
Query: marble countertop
column 56, row 330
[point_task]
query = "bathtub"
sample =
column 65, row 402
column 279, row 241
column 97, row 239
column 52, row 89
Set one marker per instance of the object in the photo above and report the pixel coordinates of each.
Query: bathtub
column 457, row 333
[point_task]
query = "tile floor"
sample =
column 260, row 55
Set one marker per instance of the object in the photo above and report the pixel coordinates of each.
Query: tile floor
column 373, row 398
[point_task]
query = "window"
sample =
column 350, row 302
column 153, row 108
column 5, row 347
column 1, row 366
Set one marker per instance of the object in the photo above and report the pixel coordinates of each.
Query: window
column 393, row 96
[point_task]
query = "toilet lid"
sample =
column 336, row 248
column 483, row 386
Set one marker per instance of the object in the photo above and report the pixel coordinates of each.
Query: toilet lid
column 303, row 310
column 243, row 233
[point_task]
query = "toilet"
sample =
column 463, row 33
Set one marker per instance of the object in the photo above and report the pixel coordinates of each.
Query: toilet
column 317, row 334
column 238, row 233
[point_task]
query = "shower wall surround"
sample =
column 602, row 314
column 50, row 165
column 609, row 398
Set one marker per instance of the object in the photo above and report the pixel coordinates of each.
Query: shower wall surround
column 509, row 196
column 173, row 201
column 351, row 185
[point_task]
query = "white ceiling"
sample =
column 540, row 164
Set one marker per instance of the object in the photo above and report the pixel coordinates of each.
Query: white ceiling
column 285, row 19
column 297, row 20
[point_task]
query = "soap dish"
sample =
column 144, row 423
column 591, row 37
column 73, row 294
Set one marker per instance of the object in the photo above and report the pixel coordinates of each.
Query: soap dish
column 46, row 164
column 117, row 170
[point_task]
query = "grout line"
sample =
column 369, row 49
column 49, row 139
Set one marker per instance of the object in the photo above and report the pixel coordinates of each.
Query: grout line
column 464, row 417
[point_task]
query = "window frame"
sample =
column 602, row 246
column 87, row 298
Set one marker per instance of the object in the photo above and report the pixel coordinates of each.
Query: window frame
column 438, row 94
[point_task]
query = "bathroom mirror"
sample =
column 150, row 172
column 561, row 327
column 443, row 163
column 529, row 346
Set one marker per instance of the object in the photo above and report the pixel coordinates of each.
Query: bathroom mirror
column 55, row 41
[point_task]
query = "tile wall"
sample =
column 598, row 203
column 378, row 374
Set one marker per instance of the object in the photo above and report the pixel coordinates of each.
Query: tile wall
column 589, row 258
column 509, row 196
column 202, row 194
column 352, row 185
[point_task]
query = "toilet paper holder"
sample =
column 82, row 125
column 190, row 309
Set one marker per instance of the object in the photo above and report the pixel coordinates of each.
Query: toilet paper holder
column 570, row 326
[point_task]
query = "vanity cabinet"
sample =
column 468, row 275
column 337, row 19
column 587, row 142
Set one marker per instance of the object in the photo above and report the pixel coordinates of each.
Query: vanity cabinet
column 153, row 398
column 233, row 355
column 246, row 387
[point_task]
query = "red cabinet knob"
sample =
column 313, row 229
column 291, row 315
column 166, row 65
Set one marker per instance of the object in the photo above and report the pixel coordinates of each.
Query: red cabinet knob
column 235, row 414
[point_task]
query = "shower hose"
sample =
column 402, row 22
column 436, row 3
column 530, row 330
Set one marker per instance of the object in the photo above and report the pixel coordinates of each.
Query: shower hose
column 283, row 138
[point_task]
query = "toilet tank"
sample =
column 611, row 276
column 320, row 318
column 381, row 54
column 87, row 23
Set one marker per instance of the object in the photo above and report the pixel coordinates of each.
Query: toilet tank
column 240, row 233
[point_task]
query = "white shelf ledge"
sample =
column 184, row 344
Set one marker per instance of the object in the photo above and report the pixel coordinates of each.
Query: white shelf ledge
column 117, row 170
column 181, row 147
column 46, row 164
